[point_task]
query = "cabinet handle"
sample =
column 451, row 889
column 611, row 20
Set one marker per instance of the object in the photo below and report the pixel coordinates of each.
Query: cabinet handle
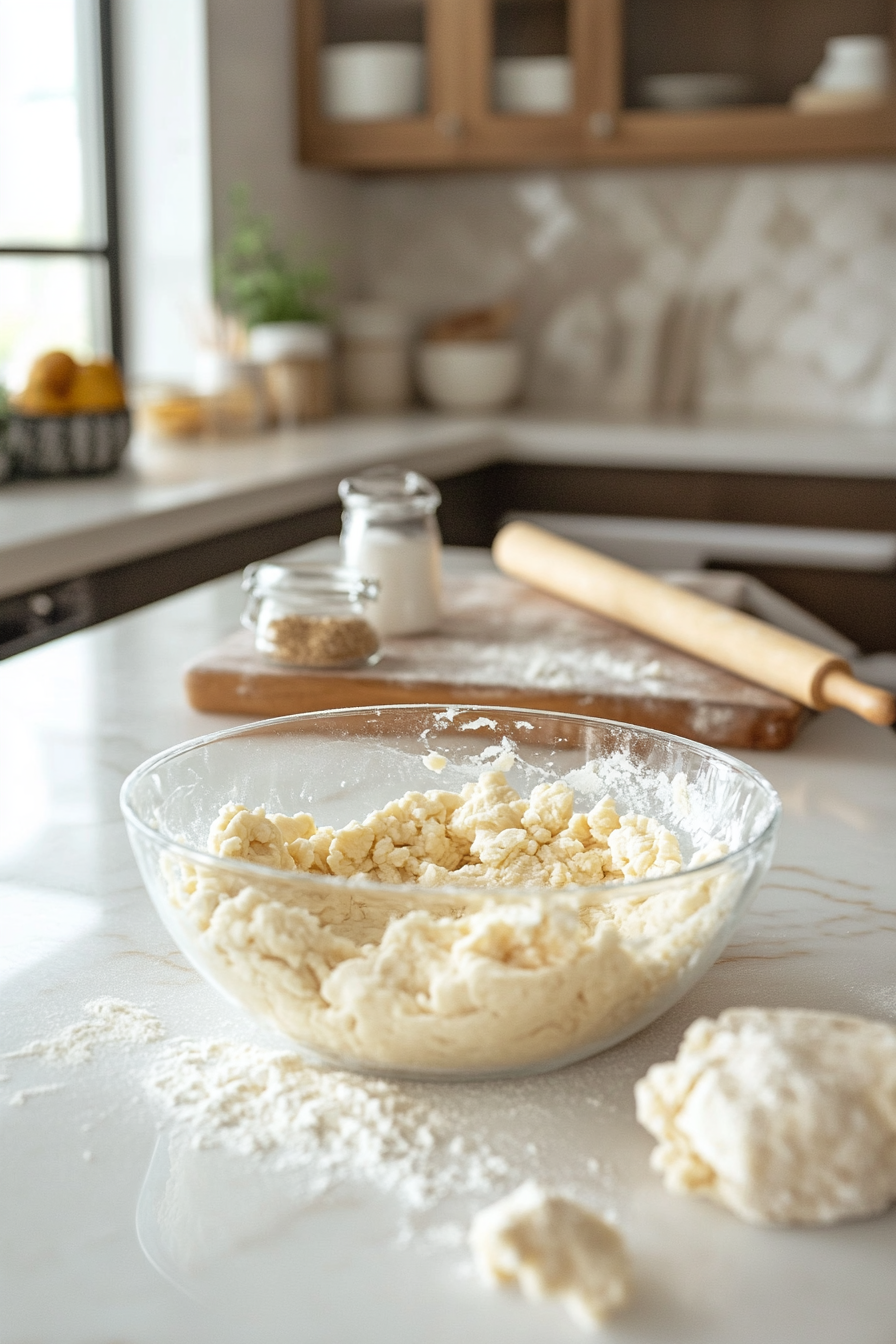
column 601, row 125
column 450, row 124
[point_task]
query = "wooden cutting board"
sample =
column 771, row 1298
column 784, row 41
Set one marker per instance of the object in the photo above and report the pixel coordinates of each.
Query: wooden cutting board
column 502, row 643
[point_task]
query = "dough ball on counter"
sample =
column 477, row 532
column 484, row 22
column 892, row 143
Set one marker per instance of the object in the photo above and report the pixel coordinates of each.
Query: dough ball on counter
column 553, row 1247
column 783, row 1116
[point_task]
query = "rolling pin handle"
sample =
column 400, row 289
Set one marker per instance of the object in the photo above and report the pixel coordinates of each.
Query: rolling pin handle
column 869, row 702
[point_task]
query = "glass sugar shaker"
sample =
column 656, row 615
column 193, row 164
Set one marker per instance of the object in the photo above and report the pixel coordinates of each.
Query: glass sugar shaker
column 389, row 531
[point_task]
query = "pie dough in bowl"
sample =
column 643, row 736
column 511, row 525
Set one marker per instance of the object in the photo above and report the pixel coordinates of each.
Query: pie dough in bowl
column 567, row 880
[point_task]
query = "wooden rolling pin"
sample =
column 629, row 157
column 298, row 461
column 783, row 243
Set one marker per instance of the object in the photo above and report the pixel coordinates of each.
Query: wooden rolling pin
column 730, row 639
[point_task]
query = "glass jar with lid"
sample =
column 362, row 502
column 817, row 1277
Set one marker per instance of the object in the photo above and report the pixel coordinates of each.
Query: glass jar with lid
column 307, row 615
column 389, row 531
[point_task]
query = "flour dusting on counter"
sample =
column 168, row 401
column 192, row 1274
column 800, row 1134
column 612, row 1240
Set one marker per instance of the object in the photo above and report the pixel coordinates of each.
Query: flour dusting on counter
column 107, row 1021
column 337, row 1127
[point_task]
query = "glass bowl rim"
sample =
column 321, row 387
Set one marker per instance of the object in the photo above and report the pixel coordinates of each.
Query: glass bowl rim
column 244, row 868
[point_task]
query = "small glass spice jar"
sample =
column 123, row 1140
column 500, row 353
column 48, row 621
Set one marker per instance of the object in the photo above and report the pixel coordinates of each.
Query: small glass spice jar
column 311, row 615
column 389, row 530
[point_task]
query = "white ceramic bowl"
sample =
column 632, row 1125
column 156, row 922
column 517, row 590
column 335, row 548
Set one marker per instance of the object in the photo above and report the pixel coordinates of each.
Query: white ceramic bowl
column 369, row 81
column 678, row 93
column 469, row 375
column 519, row 1015
column 533, row 84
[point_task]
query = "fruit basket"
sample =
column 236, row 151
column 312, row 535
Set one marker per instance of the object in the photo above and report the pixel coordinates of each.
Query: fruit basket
column 86, row 444
column 70, row 420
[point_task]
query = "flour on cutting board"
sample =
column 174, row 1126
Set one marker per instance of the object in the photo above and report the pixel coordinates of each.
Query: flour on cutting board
column 497, row 632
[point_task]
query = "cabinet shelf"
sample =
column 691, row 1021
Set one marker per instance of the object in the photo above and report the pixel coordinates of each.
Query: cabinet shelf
column 609, row 54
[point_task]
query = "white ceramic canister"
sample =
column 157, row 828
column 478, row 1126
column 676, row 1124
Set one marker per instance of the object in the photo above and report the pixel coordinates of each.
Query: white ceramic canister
column 374, row 360
column 390, row 533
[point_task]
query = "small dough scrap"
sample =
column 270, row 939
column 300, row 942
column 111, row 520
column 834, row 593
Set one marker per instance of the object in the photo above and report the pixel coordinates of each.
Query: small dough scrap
column 783, row 1116
column 553, row 1247
column 435, row 762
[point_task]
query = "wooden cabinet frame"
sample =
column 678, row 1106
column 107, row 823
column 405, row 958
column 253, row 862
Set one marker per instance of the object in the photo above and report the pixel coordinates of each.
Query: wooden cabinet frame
column 460, row 129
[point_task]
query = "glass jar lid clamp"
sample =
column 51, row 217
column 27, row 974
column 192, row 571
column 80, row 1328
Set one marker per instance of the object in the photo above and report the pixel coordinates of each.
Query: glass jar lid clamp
column 389, row 494
column 302, row 583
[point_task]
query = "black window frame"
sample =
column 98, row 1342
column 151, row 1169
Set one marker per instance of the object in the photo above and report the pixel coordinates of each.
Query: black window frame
column 111, row 249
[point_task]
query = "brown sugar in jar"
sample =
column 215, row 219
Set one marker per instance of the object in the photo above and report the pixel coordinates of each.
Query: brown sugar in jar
column 310, row 615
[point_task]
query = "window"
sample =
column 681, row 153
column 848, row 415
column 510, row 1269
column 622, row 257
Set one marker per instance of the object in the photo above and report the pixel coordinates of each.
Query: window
column 59, row 281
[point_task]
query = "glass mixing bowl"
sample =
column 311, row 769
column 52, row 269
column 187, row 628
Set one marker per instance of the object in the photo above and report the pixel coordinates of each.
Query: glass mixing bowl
column 446, row 981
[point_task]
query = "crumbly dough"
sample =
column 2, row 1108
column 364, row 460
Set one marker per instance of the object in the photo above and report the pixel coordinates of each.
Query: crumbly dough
column 421, row 974
column 553, row 1247
column 486, row 836
column 783, row 1116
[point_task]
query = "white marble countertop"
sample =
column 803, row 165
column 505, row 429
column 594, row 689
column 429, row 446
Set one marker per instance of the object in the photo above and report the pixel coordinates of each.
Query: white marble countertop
column 75, row 717
column 172, row 494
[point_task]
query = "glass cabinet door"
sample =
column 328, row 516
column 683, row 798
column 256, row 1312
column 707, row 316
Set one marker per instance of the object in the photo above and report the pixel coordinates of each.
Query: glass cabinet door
column 382, row 82
column 550, row 81
column 702, row 55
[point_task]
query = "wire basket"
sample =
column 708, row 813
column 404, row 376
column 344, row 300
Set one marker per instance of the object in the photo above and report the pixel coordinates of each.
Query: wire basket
column 86, row 444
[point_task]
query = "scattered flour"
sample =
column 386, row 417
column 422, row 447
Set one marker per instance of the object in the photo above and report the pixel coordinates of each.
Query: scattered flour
column 338, row 1127
column 258, row 1103
column 108, row 1021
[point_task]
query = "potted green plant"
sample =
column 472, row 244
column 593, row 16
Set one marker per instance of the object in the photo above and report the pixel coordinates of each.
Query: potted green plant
column 280, row 301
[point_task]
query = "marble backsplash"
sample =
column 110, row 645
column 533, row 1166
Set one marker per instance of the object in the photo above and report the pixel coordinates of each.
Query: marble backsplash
column 747, row 293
